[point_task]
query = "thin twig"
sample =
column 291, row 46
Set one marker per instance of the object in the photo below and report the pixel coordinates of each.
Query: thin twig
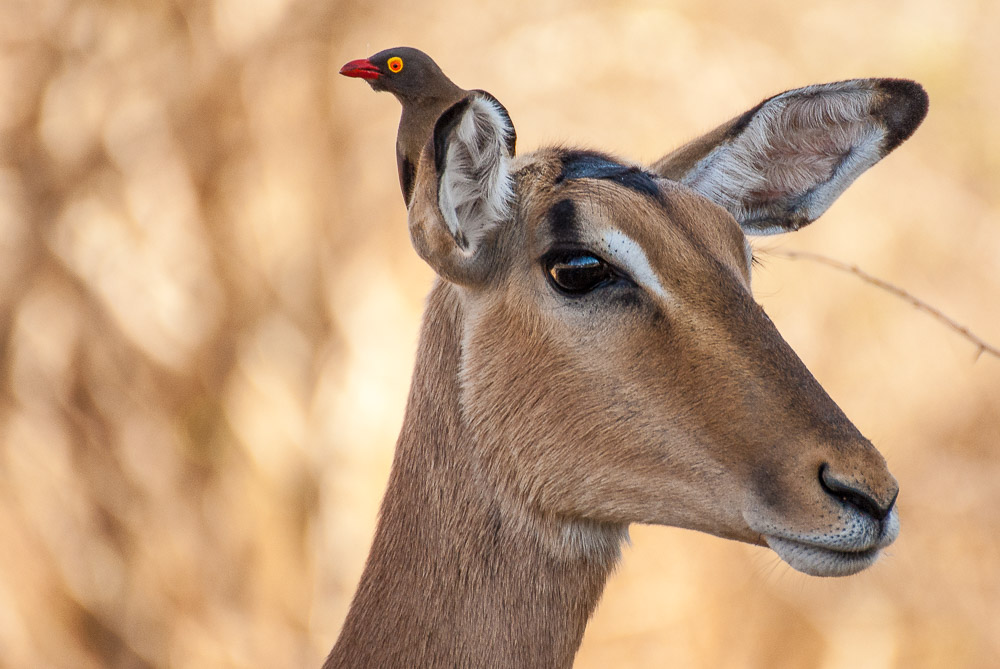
column 982, row 346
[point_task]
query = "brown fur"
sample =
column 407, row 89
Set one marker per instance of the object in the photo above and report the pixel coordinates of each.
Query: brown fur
column 455, row 580
column 540, row 426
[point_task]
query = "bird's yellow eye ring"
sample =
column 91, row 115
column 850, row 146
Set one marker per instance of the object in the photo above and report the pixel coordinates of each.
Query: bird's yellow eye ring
column 395, row 64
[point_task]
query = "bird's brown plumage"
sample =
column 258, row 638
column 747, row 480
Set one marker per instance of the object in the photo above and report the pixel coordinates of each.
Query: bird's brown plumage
column 422, row 89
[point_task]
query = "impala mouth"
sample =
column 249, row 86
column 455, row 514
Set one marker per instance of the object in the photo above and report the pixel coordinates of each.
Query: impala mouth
column 816, row 560
column 843, row 549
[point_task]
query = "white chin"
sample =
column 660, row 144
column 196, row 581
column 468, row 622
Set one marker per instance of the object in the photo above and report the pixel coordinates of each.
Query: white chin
column 819, row 561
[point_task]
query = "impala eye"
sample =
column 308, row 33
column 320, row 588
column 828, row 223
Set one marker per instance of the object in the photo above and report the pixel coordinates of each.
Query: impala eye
column 578, row 273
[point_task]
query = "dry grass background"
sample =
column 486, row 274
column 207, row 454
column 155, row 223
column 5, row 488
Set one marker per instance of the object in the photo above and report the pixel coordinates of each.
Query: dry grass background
column 209, row 307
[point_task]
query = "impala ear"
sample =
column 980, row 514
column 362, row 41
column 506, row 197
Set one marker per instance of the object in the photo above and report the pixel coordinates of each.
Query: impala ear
column 464, row 188
column 783, row 163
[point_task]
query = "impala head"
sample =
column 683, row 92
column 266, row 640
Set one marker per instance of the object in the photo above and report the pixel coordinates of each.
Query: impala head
column 615, row 366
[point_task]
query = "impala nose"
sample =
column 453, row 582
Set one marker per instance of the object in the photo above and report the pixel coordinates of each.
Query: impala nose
column 857, row 494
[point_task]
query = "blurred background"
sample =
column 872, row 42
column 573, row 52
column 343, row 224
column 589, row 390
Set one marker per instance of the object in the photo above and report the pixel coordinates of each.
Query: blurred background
column 209, row 310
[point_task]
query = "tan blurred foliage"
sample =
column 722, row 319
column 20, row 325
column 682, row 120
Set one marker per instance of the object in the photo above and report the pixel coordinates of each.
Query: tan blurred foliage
column 208, row 314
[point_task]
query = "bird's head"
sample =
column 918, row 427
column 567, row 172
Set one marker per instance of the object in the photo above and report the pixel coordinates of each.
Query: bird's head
column 405, row 72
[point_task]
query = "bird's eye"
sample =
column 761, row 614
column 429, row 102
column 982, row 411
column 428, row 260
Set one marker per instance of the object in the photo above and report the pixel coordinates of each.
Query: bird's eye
column 578, row 273
column 395, row 64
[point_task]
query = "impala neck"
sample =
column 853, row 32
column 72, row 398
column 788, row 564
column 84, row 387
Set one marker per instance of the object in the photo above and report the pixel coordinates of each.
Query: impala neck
column 454, row 577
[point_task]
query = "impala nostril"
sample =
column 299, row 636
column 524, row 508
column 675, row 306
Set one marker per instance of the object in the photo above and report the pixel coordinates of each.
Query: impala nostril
column 851, row 494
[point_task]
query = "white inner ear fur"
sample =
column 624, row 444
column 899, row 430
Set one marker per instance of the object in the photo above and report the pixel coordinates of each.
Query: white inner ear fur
column 476, row 189
column 809, row 143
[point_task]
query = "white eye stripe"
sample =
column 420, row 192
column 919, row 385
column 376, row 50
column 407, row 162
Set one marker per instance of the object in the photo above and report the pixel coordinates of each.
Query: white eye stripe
column 625, row 252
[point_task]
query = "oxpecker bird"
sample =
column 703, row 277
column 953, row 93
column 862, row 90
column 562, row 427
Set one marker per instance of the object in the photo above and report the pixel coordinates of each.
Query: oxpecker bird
column 423, row 90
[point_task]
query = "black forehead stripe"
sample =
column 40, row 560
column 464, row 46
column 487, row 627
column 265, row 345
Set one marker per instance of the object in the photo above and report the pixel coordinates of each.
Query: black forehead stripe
column 592, row 165
column 562, row 221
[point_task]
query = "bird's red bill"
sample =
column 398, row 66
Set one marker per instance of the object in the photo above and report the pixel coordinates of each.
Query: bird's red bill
column 362, row 69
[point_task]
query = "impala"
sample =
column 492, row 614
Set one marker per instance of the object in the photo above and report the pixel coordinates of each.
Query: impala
column 592, row 356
